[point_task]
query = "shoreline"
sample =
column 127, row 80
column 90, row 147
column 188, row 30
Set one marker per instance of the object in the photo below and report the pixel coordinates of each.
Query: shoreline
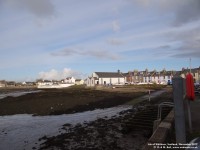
column 22, row 126
column 118, row 132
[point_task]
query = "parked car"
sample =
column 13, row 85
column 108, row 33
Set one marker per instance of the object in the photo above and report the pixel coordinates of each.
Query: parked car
column 169, row 82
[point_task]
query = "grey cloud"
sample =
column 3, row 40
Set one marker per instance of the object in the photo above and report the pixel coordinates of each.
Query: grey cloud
column 40, row 8
column 189, row 11
column 100, row 54
column 190, row 54
column 189, row 41
column 163, row 51
column 164, row 47
column 184, row 11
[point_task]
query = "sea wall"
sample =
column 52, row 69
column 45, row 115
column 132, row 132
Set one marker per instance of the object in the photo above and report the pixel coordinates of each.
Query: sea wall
column 162, row 134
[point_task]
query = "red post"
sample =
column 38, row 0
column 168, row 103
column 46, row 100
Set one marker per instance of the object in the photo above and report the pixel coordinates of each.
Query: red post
column 190, row 96
column 190, row 87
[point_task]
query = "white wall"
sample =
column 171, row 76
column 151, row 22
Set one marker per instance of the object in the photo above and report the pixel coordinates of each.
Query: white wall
column 70, row 80
column 197, row 77
column 79, row 82
column 95, row 75
column 90, row 82
column 111, row 81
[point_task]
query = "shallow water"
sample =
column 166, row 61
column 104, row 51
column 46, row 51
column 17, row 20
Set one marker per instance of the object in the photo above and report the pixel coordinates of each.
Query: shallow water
column 17, row 93
column 20, row 132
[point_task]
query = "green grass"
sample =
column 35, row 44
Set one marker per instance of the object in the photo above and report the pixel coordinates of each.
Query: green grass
column 148, row 86
column 134, row 101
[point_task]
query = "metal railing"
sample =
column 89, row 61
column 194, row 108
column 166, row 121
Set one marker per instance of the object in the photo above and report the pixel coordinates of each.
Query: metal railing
column 161, row 105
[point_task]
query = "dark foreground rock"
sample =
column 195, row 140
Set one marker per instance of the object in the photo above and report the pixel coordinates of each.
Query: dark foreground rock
column 102, row 134
column 116, row 133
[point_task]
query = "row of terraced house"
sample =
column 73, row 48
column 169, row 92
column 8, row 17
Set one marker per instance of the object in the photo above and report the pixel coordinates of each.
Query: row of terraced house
column 137, row 77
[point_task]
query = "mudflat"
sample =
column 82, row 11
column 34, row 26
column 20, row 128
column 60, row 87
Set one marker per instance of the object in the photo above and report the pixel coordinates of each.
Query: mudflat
column 68, row 100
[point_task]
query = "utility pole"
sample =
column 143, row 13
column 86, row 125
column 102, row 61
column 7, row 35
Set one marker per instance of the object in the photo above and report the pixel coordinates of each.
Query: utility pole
column 190, row 65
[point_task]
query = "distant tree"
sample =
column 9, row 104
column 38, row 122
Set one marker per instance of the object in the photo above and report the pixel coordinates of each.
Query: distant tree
column 39, row 80
column 146, row 71
column 155, row 70
column 164, row 71
column 173, row 72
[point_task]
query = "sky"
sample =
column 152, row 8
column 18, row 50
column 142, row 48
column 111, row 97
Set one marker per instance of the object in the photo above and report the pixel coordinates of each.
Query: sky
column 55, row 39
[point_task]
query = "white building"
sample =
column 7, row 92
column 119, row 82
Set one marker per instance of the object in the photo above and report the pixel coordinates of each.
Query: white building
column 2, row 83
column 79, row 82
column 91, row 81
column 70, row 80
column 105, row 78
column 158, row 77
column 44, row 82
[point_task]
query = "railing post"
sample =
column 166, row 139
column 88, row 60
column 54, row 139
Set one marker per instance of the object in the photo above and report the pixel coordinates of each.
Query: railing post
column 178, row 96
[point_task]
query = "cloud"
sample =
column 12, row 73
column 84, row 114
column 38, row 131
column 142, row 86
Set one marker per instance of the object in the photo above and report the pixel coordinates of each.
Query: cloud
column 164, row 47
column 66, row 52
column 58, row 75
column 188, row 12
column 190, row 54
column 184, row 11
column 114, row 41
column 143, row 2
column 163, row 51
column 189, row 42
column 100, row 54
column 39, row 8
column 115, row 26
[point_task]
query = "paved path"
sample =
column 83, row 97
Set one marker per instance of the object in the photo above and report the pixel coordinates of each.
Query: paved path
column 147, row 97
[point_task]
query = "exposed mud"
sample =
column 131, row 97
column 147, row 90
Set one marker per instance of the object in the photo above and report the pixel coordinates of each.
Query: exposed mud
column 64, row 101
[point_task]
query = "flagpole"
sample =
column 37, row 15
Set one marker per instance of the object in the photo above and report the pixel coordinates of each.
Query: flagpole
column 190, row 65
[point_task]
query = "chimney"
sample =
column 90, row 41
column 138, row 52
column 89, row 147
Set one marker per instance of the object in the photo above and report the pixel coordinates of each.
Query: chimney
column 118, row 71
